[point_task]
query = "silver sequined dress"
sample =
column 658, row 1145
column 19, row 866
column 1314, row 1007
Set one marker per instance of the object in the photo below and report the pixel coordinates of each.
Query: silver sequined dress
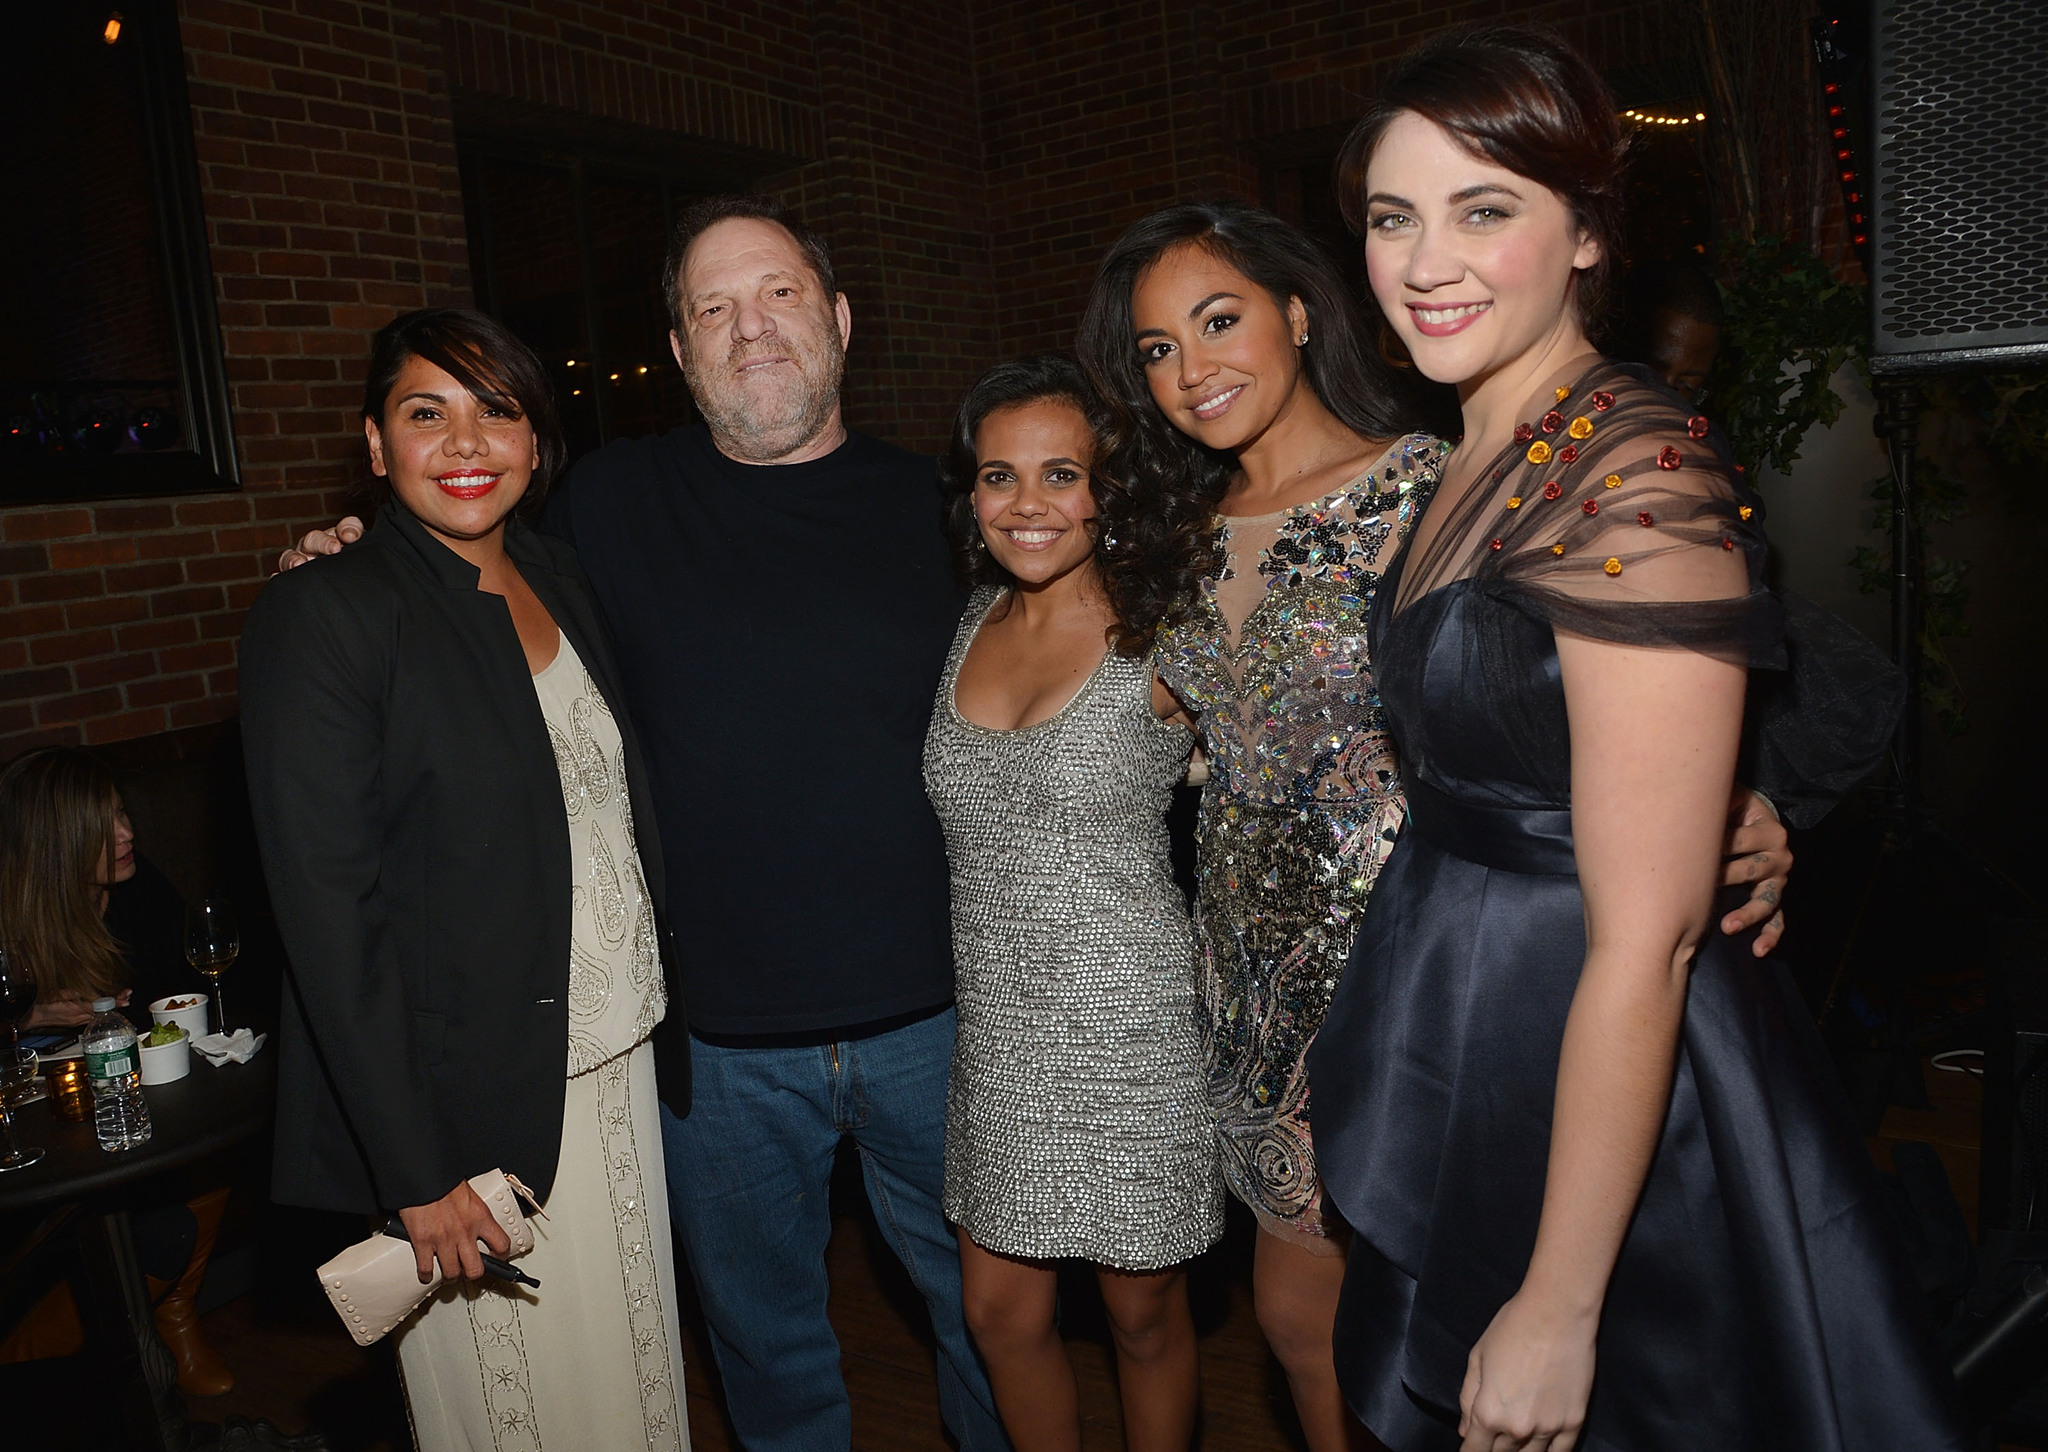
column 1076, row 1122
column 1301, row 808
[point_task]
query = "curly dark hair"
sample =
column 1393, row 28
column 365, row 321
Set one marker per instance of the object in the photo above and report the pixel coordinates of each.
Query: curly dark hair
column 1035, row 378
column 1163, row 520
column 1521, row 97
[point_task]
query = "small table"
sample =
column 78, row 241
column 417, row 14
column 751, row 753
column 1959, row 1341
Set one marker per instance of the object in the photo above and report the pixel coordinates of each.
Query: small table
column 208, row 1110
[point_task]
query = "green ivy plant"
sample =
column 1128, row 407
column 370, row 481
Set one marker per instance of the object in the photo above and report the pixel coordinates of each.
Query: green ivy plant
column 1791, row 325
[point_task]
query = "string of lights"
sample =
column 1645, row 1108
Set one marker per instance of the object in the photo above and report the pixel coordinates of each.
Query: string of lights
column 615, row 378
column 1645, row 118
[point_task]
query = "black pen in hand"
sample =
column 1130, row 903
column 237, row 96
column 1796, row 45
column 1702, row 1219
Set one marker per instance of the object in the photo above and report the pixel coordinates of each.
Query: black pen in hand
column 503, row 1270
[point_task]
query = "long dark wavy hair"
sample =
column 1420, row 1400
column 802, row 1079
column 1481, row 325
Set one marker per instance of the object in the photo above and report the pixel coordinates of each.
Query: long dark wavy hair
column 57, row 810
column 1035, row 378
column 1163, row 519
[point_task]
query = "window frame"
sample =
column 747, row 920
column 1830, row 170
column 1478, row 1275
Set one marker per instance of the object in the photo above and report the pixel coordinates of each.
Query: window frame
column 495, row 131
column 205, row 463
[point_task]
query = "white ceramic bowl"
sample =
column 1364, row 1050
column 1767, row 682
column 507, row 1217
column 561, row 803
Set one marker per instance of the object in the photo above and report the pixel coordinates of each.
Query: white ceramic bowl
column 192, row 1020
column 166, row 1063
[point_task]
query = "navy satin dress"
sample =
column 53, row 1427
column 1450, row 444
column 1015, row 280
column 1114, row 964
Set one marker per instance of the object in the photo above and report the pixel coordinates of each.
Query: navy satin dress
column 1759, row 1300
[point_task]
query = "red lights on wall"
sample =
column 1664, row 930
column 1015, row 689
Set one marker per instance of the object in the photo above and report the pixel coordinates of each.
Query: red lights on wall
column 1833, row 59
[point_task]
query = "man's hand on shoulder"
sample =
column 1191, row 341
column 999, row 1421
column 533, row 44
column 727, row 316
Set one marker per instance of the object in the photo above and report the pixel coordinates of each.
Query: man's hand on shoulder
column 346, row 531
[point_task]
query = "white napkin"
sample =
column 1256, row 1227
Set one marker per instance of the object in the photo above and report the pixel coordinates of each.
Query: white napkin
column 236, row 1048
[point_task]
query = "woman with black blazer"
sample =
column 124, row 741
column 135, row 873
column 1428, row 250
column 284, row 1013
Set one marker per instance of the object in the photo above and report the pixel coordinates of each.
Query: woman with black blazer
column 456, row 830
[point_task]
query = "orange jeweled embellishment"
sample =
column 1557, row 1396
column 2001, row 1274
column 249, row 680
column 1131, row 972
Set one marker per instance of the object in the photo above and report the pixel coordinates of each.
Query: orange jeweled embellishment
column 1603, row 400
column 1557, row 549
column 1612, row 481
column 1747, row 511
column 1591, row 506
column 1539, row 452
column 1514, row 501
column 1569, row 454
column 1553, row 490
column 1552, row 421
column 1613, row 566
column 1581, row 427
column 1563, row 393
column 1669, row 458
column 1697, row 426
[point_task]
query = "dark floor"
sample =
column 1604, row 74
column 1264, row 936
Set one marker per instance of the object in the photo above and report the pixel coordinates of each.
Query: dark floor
column 295, row 1366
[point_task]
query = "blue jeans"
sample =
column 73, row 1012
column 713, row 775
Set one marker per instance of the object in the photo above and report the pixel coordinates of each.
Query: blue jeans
column 747, row 1187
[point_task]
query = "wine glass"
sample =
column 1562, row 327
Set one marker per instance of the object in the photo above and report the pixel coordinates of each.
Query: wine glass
column 17, row 997
column 211, row 943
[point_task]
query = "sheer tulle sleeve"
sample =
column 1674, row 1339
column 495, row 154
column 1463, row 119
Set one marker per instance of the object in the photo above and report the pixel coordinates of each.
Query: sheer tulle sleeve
column 1613, row 516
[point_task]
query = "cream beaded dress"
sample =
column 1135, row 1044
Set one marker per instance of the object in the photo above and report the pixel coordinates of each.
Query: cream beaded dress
column 593, row 1359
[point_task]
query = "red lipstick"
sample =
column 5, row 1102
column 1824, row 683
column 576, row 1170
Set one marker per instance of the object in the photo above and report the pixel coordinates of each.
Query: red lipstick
column 468, row 483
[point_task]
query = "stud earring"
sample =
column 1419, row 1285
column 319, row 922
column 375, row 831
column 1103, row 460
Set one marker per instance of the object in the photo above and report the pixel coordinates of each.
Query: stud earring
column 1302, row 342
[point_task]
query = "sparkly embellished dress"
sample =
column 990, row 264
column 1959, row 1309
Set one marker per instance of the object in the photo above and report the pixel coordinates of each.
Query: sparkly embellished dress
column 1076, row 1123
column 1758, row 1300
column 1301, row 807
column 594, row 1357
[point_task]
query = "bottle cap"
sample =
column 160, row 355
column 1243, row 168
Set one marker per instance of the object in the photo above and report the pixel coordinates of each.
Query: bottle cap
column 101, row 1005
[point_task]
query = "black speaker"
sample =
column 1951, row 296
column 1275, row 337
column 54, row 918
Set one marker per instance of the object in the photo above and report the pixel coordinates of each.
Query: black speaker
column 1958, row 176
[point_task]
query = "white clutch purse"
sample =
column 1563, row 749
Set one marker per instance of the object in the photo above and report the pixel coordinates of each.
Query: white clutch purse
column 376, row 1284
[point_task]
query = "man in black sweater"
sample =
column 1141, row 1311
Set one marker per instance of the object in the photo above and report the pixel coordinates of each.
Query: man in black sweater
column 781, row 601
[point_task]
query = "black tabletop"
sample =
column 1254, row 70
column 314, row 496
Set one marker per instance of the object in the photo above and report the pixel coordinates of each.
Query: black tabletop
column 207, row 1110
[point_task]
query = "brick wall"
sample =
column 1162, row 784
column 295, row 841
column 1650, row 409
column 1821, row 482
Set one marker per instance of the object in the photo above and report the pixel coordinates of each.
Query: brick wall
column 1094, row 115
column 969, row 160
column 331, row 202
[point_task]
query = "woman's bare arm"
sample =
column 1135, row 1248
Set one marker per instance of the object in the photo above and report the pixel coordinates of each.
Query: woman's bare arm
column 1654, row 737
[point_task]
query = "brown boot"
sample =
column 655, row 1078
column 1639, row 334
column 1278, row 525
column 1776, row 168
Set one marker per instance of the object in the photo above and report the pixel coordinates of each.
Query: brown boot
column 201, row 1372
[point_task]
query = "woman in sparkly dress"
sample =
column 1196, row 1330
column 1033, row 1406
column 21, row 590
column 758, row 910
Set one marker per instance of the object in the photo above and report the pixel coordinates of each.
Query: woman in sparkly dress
column 1076, row 1122
column 1277, row 464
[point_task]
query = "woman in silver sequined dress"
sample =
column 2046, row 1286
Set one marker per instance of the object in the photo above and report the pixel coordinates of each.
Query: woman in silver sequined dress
column 1277, row 466
column 1077, row 1124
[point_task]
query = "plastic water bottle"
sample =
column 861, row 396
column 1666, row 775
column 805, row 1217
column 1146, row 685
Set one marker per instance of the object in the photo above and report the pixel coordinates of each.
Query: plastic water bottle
column 113, row 1065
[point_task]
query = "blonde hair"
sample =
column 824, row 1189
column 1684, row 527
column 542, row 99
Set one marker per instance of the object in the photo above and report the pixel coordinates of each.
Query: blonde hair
column 57, row 810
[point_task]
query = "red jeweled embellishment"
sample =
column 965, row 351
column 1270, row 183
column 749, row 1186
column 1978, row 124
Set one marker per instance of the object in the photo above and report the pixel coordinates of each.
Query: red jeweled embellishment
column 1591, row 506
column 1697, row 426
column 1727, row 544
column 1644, row 519
column 1524, row 433
column 1569, row 454
column 1553, row 490
column 1552, row 421
column 1603, row 400
column 1669, row 458
column 1497, row 544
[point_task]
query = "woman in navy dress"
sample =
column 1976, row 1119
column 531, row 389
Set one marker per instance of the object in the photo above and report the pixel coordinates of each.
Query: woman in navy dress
column 1605, row 1194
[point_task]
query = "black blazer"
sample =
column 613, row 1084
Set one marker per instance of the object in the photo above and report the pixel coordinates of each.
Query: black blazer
column 412, row 830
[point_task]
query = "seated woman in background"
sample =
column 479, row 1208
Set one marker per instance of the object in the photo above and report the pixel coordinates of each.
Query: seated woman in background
column 87, row 917
column 455, row 827
column 1076, row 1124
